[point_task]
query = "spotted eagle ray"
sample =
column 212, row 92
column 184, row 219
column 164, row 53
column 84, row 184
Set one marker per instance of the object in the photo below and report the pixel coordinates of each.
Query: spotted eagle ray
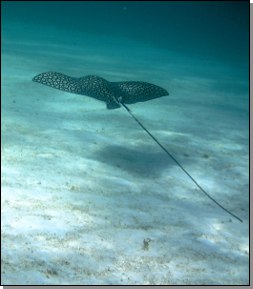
column 115, row 94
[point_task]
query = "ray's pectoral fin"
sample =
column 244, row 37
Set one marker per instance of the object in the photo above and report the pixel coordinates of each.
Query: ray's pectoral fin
column 59, row 81
column 90, row 85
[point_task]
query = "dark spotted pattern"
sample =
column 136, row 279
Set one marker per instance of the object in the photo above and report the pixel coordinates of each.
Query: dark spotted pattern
column 136, row 91
column 113, row 93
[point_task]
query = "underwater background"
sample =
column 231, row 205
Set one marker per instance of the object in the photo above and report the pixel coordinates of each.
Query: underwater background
column 87, row 196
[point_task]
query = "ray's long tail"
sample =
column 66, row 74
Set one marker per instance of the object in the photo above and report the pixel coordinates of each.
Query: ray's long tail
column 182, row 168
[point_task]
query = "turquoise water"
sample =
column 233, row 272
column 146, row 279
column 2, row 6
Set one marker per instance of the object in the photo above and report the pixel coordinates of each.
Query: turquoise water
column 87, row 196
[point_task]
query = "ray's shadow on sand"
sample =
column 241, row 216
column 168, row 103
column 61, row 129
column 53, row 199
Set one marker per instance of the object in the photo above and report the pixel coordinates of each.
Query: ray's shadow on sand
column 142, row 163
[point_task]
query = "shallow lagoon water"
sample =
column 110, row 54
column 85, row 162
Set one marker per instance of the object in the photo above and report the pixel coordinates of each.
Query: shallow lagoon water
column 88, row 197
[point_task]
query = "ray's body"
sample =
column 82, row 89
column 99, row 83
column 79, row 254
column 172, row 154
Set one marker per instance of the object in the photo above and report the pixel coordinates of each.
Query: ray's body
column 97, row 87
